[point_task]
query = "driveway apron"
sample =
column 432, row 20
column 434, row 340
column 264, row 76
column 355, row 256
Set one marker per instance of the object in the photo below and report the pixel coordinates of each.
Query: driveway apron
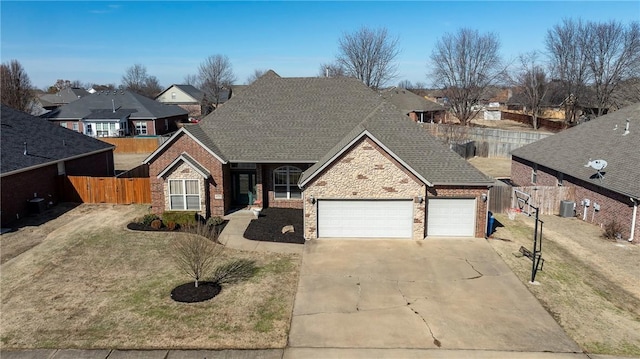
column 439, row 293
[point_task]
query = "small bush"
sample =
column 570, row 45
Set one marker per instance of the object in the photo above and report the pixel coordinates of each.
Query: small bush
column 148, row 218
column 612, row 230
column 183, row 218
column 172, row 226
column 215, row 221
column 156, row 224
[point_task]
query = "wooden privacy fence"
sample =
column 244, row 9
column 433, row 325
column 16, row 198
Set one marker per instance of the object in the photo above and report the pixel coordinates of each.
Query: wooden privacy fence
column 134, row 144
column 546, row 198
column 106, row 190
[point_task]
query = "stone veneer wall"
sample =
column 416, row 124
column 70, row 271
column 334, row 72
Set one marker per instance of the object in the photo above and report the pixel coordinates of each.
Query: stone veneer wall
column 184, row 171
column 613, row 206
column 365, row 171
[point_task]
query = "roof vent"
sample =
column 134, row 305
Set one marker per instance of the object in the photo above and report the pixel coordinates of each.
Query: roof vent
column 626, row 128
column 25, row 149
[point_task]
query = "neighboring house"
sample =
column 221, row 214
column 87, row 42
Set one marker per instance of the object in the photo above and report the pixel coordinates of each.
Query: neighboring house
column 561, row 160
column 118, row 113
column 35, row 153
column 192, row 99
column 62, row 97
column 418, row 108
column 186, row 96
column 329, row 146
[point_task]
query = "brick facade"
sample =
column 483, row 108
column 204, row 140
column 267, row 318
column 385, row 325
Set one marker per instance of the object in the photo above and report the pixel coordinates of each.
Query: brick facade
column 216, row 197
column 265, row 186
column 17, row 189
column 365, row 171
column 613, row 206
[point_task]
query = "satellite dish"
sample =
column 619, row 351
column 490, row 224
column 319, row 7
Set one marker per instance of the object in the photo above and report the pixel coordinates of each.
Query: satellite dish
column 597, row 165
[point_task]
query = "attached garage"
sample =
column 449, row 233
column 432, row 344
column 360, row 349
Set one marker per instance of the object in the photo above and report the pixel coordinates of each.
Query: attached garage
column 451, row 217
column 365, row 219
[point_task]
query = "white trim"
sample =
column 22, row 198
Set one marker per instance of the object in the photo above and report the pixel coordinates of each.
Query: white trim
column 185, row 194
column 173, row 138
column 351, row 143
column 188, row 162
column 289, row 185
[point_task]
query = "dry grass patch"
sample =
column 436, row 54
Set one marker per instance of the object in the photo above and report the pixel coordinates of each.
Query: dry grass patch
column 589, row 285
column 107, row 287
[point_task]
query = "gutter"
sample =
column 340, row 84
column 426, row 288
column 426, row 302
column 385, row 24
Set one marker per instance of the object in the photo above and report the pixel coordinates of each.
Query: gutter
column 5, row 174
column 633, row 219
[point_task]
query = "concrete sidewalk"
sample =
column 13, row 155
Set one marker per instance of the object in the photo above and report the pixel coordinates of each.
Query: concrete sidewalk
column 233, row 236
column 289, row 353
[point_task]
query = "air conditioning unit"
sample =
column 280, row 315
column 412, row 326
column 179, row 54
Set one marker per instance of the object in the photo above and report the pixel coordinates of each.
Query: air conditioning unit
column 567, row 209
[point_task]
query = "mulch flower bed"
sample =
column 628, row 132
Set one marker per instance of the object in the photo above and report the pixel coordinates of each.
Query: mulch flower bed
column 141, row 227
column 268, row 227
column 189, row 293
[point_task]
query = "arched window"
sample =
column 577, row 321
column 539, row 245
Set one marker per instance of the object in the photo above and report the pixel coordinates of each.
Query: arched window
column 285, row 182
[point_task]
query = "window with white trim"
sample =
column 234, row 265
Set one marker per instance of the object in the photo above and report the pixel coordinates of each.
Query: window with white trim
column 63, row 124
column 141, row 128
column 75, row 126
column 285, row 182
column 184, row 195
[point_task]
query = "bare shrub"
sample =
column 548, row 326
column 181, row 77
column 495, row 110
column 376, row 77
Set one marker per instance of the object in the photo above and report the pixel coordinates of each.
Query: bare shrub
column 612, row 230
column 196, row 256
column 204, row 230
column 234, row 271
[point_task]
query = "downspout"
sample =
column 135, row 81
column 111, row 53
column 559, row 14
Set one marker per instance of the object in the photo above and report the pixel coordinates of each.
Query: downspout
column 633, row 219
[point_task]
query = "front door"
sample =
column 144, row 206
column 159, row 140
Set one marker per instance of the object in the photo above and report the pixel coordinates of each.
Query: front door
column 243, row 188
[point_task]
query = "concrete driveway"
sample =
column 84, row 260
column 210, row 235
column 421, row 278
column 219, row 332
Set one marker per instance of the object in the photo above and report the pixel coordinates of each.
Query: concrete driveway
column 437, row 293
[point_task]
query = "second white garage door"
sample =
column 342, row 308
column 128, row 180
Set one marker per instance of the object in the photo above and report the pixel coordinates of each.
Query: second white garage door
column 365, row 219
column 451, row 217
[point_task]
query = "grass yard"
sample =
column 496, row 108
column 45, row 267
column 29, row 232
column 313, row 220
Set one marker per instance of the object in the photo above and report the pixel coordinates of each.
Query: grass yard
column 94, row 284
column 588, row 284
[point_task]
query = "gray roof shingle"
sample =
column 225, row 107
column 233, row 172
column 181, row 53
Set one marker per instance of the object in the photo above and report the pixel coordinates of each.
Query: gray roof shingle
column 407, row 101
column 289, row 120
column 46, row 142
column 570, row 150
column 145, row 108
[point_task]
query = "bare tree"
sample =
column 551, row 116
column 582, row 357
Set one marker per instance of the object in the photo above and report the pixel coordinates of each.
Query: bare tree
column 333, row 69
column 256, row 74
column 190, row 79
column 137, row 80
column 215, row 74
column 196, row 256
column 405, row 84
column 464, row 65
column 15, row 86
column 613, row 55
column 568, row 62
column 369, row 55
column 532, row 79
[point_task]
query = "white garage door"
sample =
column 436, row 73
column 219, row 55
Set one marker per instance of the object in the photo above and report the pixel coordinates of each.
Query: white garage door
column 365, row 219
column 451, row 217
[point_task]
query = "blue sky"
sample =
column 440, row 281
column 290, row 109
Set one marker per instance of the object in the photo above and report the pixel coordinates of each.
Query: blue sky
column 97, row 41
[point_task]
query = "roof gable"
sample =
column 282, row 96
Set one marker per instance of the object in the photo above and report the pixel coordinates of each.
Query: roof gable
column 407, row 101
column 45, row 143
column 307, row 120
column 196, row 134
column 601, row 138
column 188, row 90
column 184, row 157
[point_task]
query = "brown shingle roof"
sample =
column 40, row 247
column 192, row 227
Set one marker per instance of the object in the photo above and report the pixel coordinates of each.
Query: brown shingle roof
column 304, row 119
